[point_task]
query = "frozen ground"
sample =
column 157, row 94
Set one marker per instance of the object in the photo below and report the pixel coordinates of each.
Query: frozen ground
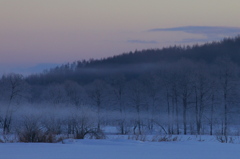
column 120, row 149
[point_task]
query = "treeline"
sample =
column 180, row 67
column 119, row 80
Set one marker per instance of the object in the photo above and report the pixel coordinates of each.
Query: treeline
column 184, row 96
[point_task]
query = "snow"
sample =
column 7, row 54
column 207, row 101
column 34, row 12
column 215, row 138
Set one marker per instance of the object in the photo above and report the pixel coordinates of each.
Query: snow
column 120, row 149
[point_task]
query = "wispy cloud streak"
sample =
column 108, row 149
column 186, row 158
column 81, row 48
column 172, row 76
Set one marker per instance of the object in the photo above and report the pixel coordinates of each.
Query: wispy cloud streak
column 206, row 30
column 142, row 42
column 211, row 33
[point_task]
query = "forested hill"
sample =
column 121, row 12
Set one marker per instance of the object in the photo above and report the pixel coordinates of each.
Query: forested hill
column 133, row 63
column 228, row 47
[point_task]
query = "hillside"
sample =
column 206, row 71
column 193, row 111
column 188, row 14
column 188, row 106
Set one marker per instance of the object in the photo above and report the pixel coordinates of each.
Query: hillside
column 208, row 52
column 133, row 64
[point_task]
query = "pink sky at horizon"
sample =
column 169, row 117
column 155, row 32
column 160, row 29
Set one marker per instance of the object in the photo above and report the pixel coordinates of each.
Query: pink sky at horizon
column 59, row 31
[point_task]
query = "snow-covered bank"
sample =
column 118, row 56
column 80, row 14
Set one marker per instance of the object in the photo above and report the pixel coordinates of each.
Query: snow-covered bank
column 119, row 149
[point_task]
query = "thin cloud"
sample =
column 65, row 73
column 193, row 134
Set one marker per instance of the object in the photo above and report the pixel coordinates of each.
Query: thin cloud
column 212, row 33
column 142, row 42
column 206, row 30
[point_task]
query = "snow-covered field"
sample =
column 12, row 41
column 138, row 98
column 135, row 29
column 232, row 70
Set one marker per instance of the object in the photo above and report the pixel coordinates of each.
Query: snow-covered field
column 120, row 149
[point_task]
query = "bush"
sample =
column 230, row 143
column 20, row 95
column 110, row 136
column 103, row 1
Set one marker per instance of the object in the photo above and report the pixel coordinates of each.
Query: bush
column 165, row 138
column 30, row 130
column 137, row 137
column 82, row 124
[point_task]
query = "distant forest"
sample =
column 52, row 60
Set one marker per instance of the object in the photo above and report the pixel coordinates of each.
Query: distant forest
column 175, row 90
column 133, row 64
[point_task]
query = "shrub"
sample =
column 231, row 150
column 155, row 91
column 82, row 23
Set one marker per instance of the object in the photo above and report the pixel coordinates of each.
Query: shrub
column 165, row 138
column 31, row 130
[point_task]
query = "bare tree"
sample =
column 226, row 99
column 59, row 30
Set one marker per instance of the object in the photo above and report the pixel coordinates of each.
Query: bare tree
column 228, row 83
column 137, row 101
column 55, row 94
column 75, row 93
column 119, row 92
column 152, row 84
column 97, row 92
column 213, row 94
column 171, row 92
column 14, row 90
column 185, row 91
column 201, row 86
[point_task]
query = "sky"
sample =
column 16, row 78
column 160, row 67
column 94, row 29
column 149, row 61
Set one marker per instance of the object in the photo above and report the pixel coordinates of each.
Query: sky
column 43, row 33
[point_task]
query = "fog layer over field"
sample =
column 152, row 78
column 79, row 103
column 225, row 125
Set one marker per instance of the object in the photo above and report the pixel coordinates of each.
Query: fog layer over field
column 175, row 99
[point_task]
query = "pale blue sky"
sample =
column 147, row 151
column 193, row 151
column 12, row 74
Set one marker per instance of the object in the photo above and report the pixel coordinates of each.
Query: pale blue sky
column 58, row 31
